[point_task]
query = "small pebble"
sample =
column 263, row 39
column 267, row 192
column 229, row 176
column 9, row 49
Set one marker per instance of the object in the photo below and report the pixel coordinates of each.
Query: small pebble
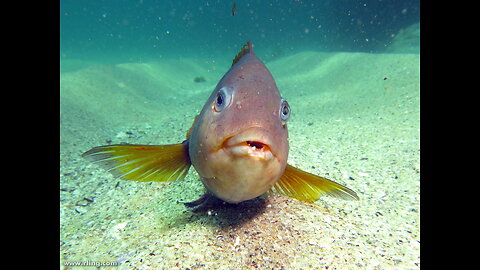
column 237, row 241
column 327, row 219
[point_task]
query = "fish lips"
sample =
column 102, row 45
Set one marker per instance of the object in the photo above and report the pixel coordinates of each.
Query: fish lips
column 254, row 142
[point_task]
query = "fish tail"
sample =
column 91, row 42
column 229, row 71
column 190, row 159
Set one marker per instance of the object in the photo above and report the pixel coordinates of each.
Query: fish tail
column 143, row 163
column 308, row 187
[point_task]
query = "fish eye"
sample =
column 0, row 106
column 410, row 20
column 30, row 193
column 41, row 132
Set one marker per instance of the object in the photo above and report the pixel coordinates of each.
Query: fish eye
column 222, row 99
column 284, row 111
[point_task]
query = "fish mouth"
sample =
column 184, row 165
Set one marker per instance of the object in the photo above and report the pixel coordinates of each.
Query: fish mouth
column 256, row 145
column 253, row 142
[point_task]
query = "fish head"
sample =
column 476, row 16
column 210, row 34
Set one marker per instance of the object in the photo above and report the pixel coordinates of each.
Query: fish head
column 239, row 142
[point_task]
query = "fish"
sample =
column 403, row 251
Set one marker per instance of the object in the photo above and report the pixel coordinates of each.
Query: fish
column 238, row 144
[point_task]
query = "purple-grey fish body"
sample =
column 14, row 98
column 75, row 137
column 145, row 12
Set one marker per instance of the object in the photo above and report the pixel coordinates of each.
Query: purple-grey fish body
column 239, row 143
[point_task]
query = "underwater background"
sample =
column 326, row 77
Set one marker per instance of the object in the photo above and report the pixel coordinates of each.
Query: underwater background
column 140, row 71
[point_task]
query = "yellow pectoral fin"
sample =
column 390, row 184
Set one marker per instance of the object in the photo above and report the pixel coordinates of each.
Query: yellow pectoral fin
column 309, row 187
column 143, row 162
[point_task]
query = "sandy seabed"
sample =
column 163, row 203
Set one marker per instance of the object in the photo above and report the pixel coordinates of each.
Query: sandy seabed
column 355, row 119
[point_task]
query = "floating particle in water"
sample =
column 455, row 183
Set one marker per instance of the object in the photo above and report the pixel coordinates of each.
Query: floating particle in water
column 234, row 8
